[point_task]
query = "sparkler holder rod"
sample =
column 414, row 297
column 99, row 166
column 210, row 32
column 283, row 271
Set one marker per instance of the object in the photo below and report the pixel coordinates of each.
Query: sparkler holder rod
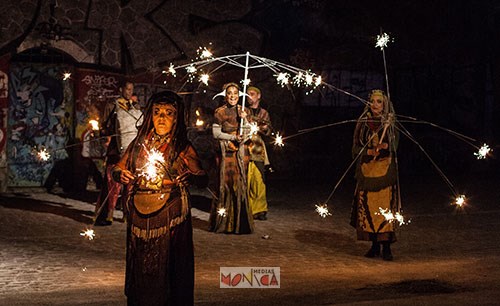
column 244, row 90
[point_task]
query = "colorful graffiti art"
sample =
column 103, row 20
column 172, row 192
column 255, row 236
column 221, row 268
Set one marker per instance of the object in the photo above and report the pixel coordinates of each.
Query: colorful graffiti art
column 40, row 116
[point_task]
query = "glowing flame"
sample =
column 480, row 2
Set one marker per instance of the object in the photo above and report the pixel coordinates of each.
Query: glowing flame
column 191, row 69
column 66, row 76
column 43, row 155
column 199, row 122
column 94, row 124
column 221, row 212
column 382, row 41
column 245, row 82
column 204, row 78
column 254, row 128
column 170, row 70
column 278, row 141
column 283, row 78
column 318, row 81
column 322, row 210
column 308, row 79
column 88, row 233
column 460, row 200
column 150, row 169
column 390, row 217
column 204, row 53
column 483, row 151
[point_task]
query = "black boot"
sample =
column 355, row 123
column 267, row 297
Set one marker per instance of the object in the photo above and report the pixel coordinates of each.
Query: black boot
column 386, row 251
column 374, row 251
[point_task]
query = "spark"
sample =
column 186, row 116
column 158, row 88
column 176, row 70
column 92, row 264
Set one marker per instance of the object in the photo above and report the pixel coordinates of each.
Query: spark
column 298, row 79
column 94, row 124
column 88, row 233
column 150, row 169
column 191, row 70
column 322, row 210
column 483, row 151
column 204, row 78
column 309, row 79
column 66, row 76
column 382, row 41
column 460, row 200
column 204, row 53
column 199, row 122
column 254, row 128
column 43, row 155
column 283, row 78
column 278, row 141
column 221, row 211
column 245, row 82
column 318, row 81
column 170, row 70
column 392, row 217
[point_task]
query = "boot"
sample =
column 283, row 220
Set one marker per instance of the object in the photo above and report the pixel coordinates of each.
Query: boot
column 374, row 251
column 386, row 251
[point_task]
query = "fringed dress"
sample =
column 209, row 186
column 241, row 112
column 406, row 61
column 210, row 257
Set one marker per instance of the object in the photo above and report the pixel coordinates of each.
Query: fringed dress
column 160, row 260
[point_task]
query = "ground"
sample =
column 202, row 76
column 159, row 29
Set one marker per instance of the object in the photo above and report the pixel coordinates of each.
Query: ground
column 444, row 256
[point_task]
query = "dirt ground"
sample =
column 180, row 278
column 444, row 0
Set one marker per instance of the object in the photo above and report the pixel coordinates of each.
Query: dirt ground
column 444, row 256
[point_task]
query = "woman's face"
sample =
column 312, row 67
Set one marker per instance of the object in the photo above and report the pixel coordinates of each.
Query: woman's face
column 232, row 95
column 377, row 104
column 164, row 116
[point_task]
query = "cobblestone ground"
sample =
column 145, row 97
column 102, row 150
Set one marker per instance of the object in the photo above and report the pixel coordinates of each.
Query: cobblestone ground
column 442, row 257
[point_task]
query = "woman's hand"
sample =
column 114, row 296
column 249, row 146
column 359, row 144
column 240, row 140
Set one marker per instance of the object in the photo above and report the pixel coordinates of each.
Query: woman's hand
column 382, row 146
column 373, row 152
column 126, row 177
column 243, row 114
column 184, row 179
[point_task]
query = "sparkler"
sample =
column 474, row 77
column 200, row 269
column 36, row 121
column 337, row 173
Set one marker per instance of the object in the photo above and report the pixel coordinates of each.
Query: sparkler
column 151, row 171
column 43, row 155
column 322, row 210
column 204, row 78
column 283, row 78
column 382, row 41
column 66, row 76
column 392, row 217
column 191, row 70
column 254, row 128
column 204, row 53
column 245, row 82
column 278, row 141
column 221, row 212
column 460, row 200
column 88, row 233
column 483, row 151
column 94, row 124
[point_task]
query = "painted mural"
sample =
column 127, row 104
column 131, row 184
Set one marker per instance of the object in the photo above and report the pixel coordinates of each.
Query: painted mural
column 40, row 116
column 4, row 87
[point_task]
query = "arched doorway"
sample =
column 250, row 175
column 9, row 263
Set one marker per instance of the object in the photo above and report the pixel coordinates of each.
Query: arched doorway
column 40, row 114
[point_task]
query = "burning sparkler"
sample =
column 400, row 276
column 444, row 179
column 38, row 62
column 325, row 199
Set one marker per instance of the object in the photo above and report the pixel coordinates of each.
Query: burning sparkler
column 254, row 128
column 460, row 200
column 151, row 171
column 221, row 212
column 204, row 53
column 88, row 234
column 66, row 76
column 283, row 78
column 43, row 155
column 322, row 210
column 94, row 124
column 392, row 217
column 204, row 78
column 382, row 41
column 245, row 82
column 483, row 151
column 278, row 141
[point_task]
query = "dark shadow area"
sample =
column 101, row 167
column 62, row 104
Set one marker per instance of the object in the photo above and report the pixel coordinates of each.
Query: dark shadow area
column 420, row 287
column 63, row 210
column 200, row 202
column 329, row 240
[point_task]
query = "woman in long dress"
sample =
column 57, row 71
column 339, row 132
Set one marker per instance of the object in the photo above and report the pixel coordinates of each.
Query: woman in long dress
column 157, row 168
column 375, row 144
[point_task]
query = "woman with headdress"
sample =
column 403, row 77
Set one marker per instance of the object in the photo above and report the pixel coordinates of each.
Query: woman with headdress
column 230, row 211
column 157, row 168
column 374, row 144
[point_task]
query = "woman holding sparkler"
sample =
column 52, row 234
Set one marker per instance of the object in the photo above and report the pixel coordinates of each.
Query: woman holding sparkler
column 157, row 168
column 231, row 212
column 374, row 145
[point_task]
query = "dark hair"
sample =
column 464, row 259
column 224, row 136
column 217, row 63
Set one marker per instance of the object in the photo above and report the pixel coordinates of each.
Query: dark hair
column 179, row 139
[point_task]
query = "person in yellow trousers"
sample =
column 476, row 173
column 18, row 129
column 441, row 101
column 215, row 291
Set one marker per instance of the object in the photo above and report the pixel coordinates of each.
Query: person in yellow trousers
column 259, row 117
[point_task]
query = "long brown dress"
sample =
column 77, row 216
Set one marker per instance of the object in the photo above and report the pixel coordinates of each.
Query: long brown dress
column 160, row 259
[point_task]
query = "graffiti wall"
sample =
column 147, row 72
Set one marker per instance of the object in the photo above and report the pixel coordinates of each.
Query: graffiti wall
column 39, row 116
column 4, row 89
column 94, row 89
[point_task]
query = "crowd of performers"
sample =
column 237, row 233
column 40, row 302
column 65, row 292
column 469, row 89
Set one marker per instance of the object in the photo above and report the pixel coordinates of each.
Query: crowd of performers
column 159, row 257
